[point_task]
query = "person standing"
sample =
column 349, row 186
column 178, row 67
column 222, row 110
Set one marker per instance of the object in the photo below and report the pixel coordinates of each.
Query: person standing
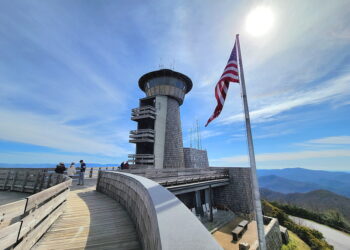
column 82, row 172
column 60, row 168
column 71, row 170
column 126, row 165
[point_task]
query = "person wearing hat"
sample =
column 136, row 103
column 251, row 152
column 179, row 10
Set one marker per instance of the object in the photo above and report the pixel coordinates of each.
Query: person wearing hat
column 71, row 170
column 60, row 168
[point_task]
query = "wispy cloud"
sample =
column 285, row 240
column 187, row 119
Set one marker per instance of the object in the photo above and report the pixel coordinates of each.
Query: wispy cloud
column 283, row 156
column 331, row 90
column 342, row 140
column 326, row 142
column 43, row 157
column 51, row 132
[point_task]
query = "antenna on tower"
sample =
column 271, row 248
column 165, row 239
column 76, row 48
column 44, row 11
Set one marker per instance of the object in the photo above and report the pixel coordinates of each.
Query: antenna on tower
column 161, row 66
column 172, row 66
column 190, row 137
column 199, row 142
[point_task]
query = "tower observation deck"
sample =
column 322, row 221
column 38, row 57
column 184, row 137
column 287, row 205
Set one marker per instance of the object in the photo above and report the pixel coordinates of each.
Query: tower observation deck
column 158, row 137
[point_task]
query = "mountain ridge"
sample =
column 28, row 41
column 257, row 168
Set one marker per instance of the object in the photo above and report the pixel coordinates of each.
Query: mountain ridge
column 337, row 182
column 317, row 200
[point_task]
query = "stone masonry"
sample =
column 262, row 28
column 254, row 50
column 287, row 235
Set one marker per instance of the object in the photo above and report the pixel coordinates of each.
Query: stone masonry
column 273, row 235
column 237, row 196
column 195, row 158
column 173, row 152
column 158, row 137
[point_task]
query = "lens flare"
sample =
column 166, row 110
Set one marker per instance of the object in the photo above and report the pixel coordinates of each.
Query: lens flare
column 259, row 21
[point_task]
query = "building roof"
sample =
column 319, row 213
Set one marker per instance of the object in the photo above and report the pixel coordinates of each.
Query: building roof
column 165, row 72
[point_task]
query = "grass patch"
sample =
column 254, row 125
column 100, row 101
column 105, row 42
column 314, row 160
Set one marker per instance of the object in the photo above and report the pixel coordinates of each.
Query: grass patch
column 295, row 243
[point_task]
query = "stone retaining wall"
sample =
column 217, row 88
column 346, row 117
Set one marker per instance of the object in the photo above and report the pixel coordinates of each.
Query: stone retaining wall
column 162, row 221
column 273, row 235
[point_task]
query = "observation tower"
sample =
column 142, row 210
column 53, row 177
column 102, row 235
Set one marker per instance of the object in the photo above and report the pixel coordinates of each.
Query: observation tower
column 158, row 137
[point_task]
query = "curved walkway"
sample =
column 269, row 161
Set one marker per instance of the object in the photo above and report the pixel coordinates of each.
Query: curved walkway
column 338, row 239
column 91, row 220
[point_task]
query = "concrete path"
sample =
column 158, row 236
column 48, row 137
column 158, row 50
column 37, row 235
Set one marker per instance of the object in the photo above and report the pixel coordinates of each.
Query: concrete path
column 224, row 236
column 91, row 221
column 338, row 239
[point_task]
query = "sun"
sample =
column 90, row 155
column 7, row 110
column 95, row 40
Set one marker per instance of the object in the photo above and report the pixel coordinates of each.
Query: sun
column 259, row 21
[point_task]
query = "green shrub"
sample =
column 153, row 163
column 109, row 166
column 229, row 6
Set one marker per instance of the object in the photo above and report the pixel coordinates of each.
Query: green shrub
column 330, row 218
column 290, row 246
column 311, row 237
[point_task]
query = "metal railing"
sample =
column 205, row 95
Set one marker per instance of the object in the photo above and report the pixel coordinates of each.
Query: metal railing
column 141, row 135
column 143, row 113
column 139, row 160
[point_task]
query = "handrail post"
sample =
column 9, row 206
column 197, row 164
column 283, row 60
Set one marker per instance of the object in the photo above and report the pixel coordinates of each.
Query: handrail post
column 91, row 172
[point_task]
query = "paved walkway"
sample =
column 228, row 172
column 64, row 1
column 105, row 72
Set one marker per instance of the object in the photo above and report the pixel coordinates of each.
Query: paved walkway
column 338, row 239
column 91, row 221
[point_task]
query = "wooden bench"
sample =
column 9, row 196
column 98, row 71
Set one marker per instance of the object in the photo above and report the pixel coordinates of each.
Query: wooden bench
column 244, row 224
column 237, row 233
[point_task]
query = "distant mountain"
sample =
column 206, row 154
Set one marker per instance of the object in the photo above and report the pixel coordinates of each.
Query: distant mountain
column 317, row 200
column 337, row 182
column 284, row 185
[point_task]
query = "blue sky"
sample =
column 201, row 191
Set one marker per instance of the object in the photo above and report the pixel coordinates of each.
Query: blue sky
column 69, row 72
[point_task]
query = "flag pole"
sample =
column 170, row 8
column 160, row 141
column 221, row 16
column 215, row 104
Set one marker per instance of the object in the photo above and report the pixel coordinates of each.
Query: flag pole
column 255, row 185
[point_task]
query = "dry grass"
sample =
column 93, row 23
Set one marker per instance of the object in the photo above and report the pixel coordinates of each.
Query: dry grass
column 295, row 243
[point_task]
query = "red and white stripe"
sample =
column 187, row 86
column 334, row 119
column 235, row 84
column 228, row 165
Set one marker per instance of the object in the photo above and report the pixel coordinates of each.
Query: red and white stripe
column 230, row 75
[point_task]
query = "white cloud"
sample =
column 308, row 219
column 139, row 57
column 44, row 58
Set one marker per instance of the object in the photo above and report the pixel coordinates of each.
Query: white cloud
column 332, row 90
column 210, row 133
column 50, row 132
column 44, row 157
column 283, row 156
column 342, row 140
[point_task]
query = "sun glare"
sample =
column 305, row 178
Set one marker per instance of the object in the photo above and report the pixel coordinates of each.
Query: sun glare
column 259, row 21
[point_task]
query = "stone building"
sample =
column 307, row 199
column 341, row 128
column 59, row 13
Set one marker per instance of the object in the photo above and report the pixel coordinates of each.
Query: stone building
column 158, row 136
column 161, row 157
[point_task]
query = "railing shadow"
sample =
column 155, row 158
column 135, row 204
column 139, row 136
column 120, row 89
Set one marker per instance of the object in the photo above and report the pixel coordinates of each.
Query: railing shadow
column 109, row 225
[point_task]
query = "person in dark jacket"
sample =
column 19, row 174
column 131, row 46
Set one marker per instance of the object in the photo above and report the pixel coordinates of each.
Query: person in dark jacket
column 82, row 172
column 126, row 165
column 122, row 165
column 60, row 168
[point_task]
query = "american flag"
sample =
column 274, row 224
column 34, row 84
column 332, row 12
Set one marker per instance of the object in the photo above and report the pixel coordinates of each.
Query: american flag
column 230, row 75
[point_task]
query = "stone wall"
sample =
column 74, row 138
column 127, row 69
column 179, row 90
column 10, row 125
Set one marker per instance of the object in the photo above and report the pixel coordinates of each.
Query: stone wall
column 134, row 197
column 272, row 235
column 173, row 152
column 237, row 196
column 161, row 220
column 195, row 158
column 160, row 129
